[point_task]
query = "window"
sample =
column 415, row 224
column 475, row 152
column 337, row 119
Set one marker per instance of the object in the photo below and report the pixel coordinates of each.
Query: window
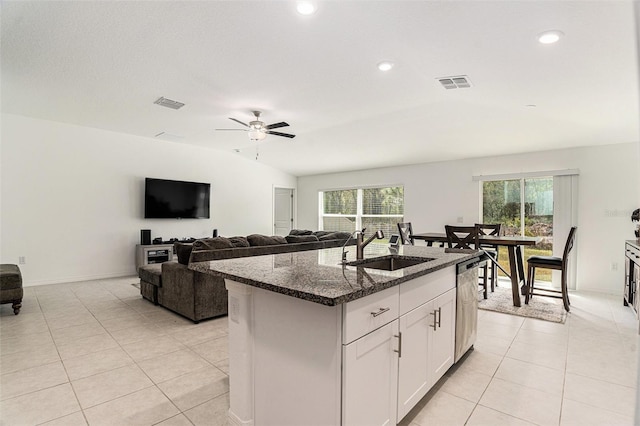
column 371, row 208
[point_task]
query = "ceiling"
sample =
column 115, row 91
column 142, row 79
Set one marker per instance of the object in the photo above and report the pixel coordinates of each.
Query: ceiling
column 103, row 64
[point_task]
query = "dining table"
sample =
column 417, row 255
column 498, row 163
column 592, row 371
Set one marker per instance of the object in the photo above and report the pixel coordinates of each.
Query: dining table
column 513, row 245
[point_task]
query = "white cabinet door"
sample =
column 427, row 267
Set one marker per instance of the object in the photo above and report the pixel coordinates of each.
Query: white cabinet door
column 370, row 378
column 413, row 369
column 442, row 337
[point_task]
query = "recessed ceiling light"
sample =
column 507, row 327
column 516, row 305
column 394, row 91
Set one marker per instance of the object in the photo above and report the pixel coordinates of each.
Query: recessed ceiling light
column 549, row 37
column 306, row 7
column 385, row 65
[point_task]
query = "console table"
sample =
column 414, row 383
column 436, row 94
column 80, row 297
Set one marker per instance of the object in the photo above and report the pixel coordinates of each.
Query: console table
column 153, row 253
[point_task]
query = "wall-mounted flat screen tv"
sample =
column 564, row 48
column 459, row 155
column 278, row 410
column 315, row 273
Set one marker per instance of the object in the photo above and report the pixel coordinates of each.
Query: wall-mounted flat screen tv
column 174, row 199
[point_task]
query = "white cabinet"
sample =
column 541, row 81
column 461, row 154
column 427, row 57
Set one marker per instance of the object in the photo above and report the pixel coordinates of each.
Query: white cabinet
column 428, row 336
column 413, row 373
column 389, row 370
column 370, row 377
column 442, row 336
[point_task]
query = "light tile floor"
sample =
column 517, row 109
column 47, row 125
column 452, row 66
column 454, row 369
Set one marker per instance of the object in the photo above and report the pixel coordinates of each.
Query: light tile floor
column 97, row 353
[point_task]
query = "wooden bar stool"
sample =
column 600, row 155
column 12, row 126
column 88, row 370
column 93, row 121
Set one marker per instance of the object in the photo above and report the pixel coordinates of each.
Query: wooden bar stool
column 490, row 249
column 406, row 233
column 551, row 262
column 466, row 237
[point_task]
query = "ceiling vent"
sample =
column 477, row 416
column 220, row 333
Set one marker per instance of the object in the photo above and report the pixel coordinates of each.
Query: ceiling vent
column 457, row 82
column 169, row 103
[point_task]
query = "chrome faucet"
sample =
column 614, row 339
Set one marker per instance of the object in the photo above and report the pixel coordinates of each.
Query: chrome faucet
column 344, row 253
column 360, row 244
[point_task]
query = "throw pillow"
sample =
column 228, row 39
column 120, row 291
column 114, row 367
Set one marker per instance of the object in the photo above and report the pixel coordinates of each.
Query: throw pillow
column 301, row 238
column 300, row 232
column 214, row 243
column 264, row 240
column 239, row 241
column 183, row 251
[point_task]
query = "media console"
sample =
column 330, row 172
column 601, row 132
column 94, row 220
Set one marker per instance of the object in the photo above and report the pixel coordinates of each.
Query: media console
column 153, row 253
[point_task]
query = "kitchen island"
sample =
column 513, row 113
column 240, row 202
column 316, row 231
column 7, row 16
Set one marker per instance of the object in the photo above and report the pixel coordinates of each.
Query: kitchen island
column 314, row 342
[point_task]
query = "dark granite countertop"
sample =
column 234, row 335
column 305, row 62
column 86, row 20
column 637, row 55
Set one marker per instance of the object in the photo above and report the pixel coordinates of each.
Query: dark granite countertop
column 318, row 276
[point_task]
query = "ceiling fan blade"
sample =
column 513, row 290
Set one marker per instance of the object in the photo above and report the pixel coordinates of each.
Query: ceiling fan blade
column 286, row 135
column 238, row 121
column 276, row 125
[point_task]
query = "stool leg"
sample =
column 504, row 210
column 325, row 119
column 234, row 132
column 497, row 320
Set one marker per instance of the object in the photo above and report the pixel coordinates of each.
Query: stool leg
column 529, row 286
column 565, row 294
column 16, row 305
column 494, row 277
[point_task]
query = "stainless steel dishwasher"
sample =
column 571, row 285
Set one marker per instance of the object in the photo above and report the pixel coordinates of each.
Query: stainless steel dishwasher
column 466, row 306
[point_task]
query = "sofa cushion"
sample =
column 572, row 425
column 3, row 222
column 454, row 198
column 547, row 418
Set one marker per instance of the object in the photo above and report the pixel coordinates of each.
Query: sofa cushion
column 300, row 232
column 264, row 240
column 214, row 243
column 239, row 241
column 335, row 236
column 301, row 238
column 321, row 233
column 151, row 274
column 183, row 251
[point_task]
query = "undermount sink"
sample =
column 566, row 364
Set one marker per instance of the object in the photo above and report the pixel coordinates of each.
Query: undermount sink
column 389, row 263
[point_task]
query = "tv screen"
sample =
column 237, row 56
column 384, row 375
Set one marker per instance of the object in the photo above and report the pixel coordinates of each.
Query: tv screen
column 174, row 199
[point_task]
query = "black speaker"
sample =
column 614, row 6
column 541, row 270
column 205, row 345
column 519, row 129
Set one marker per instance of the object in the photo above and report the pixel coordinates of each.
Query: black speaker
column 215, row 232
column 145, row 237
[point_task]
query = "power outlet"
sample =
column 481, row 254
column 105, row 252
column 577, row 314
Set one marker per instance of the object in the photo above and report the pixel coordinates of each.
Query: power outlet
column 460, row 219
column 22, row 260
column 614, row 266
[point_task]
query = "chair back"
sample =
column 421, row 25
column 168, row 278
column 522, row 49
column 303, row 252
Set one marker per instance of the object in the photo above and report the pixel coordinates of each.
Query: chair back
column 569, row 245
column 406, row 232
column 462, row 237
column 489, row 229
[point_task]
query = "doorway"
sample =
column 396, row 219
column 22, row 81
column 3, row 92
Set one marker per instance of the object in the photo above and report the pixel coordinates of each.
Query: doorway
column 282, row 211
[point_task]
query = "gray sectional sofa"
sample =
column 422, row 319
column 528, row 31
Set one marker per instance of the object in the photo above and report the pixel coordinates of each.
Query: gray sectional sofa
column 200, row 296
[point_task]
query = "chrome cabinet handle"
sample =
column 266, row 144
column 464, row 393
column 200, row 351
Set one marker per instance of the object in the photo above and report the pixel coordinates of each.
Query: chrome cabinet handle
column 399, row 350
column 437, row 318
column 380, row 312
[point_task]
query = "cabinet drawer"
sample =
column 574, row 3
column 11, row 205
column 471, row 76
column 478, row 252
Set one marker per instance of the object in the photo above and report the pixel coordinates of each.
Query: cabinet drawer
column 364, row 315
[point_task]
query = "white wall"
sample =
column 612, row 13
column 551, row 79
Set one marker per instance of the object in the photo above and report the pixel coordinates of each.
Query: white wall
column 437, row 194
column 73, row 197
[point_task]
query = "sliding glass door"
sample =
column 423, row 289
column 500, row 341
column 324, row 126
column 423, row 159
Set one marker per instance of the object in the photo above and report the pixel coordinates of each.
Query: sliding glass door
column 523, row 207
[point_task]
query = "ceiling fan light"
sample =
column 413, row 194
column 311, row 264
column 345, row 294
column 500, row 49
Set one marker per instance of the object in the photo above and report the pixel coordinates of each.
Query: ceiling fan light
column 256, row 135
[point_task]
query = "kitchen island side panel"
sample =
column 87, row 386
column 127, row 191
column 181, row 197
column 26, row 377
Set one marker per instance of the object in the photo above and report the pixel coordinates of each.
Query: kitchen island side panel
column 297, row 361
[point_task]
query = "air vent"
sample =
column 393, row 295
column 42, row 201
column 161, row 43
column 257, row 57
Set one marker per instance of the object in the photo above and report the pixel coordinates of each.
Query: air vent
column 169, row 103
column 457, row 82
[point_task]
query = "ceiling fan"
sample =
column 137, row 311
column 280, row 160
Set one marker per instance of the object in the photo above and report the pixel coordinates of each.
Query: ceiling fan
column 257, row 130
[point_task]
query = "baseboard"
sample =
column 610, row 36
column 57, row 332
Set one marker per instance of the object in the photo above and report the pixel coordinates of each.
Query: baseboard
column 75, row 279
